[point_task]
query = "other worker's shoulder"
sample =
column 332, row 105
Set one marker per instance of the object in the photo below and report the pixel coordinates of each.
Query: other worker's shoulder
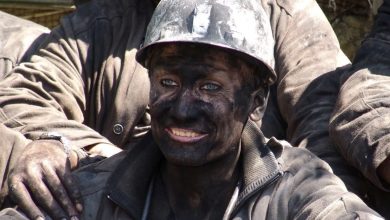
column 87, row 15
column 292, row 159
column 294, row 6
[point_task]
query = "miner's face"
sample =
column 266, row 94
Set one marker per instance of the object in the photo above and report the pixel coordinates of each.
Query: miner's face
column 200, row 100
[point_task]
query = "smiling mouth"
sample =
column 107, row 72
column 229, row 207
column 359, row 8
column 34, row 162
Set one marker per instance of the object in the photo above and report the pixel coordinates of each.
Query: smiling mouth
column 184, row 135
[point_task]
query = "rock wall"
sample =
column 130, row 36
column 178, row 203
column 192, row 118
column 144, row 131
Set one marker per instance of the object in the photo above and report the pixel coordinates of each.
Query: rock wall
column 351, row 20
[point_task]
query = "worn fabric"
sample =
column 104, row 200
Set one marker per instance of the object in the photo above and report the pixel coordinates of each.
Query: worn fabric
column 19, row 39
column 85, row 84
column 360, row 125
column 278, row 182
column 308, row 63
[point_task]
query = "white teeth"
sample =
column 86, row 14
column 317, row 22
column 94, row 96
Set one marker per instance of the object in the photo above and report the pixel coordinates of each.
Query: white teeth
column 184, row 133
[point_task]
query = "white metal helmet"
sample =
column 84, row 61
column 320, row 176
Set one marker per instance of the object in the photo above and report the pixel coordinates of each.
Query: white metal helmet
column 241, row 26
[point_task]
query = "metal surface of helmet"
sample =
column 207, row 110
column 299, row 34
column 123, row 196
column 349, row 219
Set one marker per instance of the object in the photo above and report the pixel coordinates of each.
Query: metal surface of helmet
column 241, row 26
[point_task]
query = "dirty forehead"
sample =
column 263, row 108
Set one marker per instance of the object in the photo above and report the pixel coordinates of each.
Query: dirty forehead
column 178, row 54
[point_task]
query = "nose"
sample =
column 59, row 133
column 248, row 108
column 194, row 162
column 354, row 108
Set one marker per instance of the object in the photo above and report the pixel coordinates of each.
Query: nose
column 186, row 107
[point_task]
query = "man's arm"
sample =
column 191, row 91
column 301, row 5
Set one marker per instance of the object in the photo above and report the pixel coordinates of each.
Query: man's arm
column 68, row 86
column 360, row 124
column 19, row 38
column 307, row 58
column 32, row 100
column 84, row 82
column 48, row 93
column 307, row 54
column 314, row 192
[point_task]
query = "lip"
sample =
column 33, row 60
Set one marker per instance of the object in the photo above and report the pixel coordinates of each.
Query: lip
column 184, row 135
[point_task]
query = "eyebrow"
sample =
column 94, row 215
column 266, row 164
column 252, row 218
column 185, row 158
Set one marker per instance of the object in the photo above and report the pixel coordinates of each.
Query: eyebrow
column 207, row 68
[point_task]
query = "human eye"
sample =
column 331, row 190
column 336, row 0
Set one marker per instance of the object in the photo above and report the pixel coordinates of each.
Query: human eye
column 168, row 83
column 212, row 87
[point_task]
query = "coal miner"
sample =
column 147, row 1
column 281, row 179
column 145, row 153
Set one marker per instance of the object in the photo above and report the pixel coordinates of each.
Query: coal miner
column 84, row 86
column 204, row 158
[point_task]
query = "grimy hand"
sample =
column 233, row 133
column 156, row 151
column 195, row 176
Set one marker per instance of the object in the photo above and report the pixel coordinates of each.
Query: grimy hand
column 42, row 178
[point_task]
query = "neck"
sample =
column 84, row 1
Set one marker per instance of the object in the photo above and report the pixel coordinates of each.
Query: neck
column 206, row 189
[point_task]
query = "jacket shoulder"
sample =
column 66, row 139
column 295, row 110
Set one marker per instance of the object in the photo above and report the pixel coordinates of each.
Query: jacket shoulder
column 87, row 14
column 292, row 159
column 309, row 190
column 294, row 6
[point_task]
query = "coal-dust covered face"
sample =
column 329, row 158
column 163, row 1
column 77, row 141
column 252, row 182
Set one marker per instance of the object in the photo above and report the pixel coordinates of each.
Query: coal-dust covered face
column 200, row 100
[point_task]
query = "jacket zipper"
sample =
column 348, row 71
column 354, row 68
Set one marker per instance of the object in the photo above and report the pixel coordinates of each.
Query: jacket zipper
column 240, row 203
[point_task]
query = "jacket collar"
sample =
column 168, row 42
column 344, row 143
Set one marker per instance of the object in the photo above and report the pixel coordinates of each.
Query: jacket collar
column 260, row 167
column 128, row 185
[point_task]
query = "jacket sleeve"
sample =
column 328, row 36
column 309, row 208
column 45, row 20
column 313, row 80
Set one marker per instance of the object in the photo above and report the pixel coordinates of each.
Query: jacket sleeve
column 308, row 61
column 360, row 125
column 307, row 54
column 49, row 93
column 312, row 191
column 84, row 81
column 18, row 39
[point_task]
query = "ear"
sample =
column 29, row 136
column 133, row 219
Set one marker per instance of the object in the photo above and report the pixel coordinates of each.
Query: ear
column 259, row 103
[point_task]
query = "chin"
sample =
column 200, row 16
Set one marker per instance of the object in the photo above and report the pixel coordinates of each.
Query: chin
column 185, row 160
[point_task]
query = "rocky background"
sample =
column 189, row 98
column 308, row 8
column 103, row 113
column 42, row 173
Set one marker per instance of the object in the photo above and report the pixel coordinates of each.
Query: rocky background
column 351, row 20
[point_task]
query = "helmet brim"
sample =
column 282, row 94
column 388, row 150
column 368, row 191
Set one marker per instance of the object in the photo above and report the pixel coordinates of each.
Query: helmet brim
column 142, row 54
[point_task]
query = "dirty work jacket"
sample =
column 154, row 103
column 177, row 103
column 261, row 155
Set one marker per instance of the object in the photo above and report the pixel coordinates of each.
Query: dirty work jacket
column 361, row 122
column 85, row 83
column 19, row 39
column 308, row 58
column 279, row 182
